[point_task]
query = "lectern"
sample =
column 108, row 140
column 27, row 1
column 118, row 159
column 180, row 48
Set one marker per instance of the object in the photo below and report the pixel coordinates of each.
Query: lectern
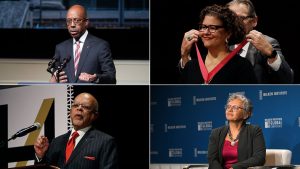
column 38, row 166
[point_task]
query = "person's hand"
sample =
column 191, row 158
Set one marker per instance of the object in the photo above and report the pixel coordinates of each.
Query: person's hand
column 87, row 77
column 63, row 78
column 188, row 40
column 41, row 146
column 259, row 41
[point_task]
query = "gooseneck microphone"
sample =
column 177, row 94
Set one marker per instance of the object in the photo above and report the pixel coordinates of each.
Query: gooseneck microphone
column 25, row 131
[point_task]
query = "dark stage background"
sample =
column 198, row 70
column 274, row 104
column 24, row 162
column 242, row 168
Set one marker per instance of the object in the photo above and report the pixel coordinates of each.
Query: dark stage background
column 171, row 19
column 125, row 43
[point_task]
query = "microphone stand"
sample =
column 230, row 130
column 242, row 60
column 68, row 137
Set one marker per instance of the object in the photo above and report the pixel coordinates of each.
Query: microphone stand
column 2, row 143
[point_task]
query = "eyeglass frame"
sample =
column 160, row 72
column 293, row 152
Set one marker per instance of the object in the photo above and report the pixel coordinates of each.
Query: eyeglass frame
column 76, row 21
column 210, row 28
column 245, row 17
column 85, row 107
column 234, row 108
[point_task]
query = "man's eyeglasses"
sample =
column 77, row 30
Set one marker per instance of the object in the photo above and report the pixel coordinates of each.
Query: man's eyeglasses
column 84, row 107
column 244, row 17
column 234, row 108
column 210, row 28
column 76, row 21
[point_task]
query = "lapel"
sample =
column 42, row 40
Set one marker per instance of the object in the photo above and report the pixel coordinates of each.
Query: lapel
column 83, row 56
column 243, row 141
column 64, row 146
column 251, row 54
column 80, row 146
column 70, row 67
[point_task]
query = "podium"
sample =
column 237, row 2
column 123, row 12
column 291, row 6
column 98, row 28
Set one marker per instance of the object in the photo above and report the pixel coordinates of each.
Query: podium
column 38, row 166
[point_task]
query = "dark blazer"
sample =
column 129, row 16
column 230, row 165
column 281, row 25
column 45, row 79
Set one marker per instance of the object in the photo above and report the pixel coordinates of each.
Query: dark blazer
column 264, row 73
column 251, row 147
column 96, row 150
column 95, row 57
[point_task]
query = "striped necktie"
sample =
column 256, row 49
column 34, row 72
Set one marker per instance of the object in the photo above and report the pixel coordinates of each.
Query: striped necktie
column 77, row 56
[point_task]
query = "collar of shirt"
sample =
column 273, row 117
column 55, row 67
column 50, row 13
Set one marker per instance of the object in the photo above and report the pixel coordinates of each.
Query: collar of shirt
column 82, row 38
column 244, row 50
column 81, row 133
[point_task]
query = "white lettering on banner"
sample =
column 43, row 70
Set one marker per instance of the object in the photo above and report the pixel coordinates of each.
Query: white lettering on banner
column 199, row 152
column 205, row 126
column 272, row 93
column 174, row 127
column 203, row 99
column 273, row 123
column 278, row 93
column 176, row 101
column 175, row 152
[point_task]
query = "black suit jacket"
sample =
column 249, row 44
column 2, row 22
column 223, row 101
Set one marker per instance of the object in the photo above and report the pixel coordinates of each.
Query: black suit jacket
column 95, row 57
column 264, row 73
column 96, row 150
column 251, row 147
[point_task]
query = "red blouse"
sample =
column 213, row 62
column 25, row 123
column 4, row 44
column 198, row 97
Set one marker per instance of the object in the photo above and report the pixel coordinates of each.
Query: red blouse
column 230, row 154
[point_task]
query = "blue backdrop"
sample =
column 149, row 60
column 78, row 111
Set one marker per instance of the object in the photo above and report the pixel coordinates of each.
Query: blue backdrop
column 182, row 118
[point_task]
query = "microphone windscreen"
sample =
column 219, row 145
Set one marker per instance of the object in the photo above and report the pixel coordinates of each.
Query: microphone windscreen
column 38, row 125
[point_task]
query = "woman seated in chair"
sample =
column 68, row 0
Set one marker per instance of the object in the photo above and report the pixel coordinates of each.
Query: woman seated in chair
column 237, row 145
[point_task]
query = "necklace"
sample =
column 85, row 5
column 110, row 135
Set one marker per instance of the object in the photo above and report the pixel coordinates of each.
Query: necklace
column 233, row 141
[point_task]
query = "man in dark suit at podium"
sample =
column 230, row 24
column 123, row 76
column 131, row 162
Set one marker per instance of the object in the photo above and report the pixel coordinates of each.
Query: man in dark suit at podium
column 82, row 148
column 87, row 58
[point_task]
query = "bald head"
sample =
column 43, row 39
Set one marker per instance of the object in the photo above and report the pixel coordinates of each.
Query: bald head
column 77, row 10
column 90, row 98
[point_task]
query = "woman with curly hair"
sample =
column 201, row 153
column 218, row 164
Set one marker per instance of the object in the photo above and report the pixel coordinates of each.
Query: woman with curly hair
column 219, row 28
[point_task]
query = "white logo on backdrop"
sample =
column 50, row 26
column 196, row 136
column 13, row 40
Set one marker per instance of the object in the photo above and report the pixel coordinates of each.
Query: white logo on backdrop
column 175, row 152
column 199, row 152
column 205, row 126
column 175, row 101
column 273, row 123
column 174, row 127
column 203, row 99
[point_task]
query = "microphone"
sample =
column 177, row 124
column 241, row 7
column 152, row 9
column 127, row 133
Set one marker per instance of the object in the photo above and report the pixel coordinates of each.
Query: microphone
column 25, row 131
column 51, row 65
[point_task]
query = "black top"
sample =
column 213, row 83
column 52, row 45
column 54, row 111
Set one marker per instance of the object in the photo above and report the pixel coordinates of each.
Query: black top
column 238, row 70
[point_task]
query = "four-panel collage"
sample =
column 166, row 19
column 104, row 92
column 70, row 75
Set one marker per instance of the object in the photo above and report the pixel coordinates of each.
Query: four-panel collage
column 117, row 84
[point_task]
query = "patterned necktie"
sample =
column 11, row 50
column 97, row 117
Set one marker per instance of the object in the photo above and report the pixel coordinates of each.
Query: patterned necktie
column 77, row 56
column 71, row 145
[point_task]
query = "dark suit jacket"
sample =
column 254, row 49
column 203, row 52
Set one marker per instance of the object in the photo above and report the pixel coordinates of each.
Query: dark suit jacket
column 251, row 147
column 94, row 144
column 95, row 57
column 264, row 73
